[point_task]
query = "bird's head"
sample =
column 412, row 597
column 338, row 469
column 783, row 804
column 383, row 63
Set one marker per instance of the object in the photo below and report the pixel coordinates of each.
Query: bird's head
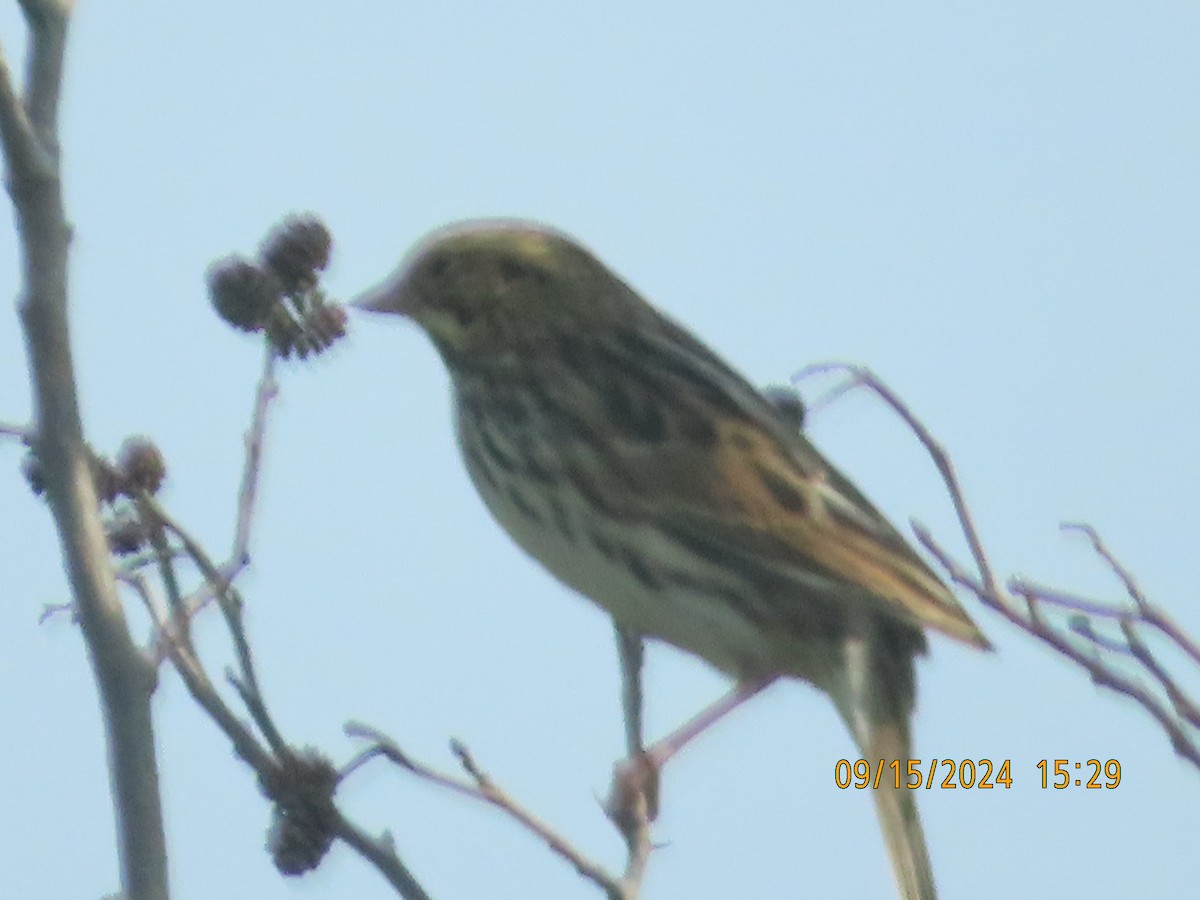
column 498, row 290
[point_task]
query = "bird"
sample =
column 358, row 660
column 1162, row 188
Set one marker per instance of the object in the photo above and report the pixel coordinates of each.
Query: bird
column 646, row 473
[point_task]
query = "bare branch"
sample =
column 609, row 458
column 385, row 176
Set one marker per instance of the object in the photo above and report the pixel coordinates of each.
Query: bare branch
column 191, row 606
column 860, row 375
column 23, row 433
column 248, row 494
column 205, row 693
column 23, row 151
column 164, row 556
column 47, row 21
column 381, row 853
column 1147, row 611
column 1082, row 626
column 1089, row 608
column 219, row 578
column 1183, row 704
column 1102, row 674
column 482, row 787
column 125, row 679
column 50, row 610
column 231, row 606
column 277, row 764
column 1173, row 718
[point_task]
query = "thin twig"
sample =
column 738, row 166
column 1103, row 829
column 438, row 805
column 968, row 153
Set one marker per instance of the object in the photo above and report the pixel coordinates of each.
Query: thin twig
column 165, row 558
column 1082, row 626
column 1030, row 618
column 138, row 583
column 270, row 765
column 23, row 433
column 251, row 470
column 219, row 578
column 636, row 832
column 1102, row 675
column 482, row 787
column 1183, row 704
column 50, row 610
column 381, row 853
column 192, row 604
column 1127, row 579
column 1064, row 600
column 231, row 606
column 1147, row 611
column 865, row 377
column 205, row 693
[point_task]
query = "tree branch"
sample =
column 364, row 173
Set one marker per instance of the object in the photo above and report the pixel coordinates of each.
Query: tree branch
column 1174, row 714
column 47, row 21
column 482, row 787
column 125, row 678
column 22, row 433
column 381, row 853
column 248, row 493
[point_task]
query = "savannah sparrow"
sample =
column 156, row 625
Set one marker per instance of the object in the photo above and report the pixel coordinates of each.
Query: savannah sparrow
column 641, row 470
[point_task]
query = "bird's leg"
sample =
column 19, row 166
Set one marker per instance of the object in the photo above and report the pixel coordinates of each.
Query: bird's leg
column 661, row 752
column 633, row 800
column 638, row 775
column 631, row 648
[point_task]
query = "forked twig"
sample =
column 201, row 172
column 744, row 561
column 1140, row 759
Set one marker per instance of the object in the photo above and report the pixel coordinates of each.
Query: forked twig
column 482, row 787
column 218, row 578
column 860, row 375
column 1175, row 713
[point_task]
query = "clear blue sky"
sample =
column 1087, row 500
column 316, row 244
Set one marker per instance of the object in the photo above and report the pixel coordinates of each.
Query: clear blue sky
column 996, row 206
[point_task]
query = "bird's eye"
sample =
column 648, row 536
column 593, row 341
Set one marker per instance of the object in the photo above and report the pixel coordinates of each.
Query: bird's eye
column 439, row 266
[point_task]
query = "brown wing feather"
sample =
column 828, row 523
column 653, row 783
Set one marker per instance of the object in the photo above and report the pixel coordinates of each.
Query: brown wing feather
column 753, row 486
column 762, row 504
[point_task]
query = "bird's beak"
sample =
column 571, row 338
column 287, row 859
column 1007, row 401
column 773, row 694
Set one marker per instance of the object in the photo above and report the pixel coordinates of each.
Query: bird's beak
column 389, row 296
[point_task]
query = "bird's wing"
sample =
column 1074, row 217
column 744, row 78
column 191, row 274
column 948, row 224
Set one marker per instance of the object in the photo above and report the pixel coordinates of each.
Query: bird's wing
column 795, row 520
column 752, row 492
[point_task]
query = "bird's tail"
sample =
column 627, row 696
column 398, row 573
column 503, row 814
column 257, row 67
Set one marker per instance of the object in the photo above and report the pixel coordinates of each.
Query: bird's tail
column 875, row 698
column 898, row 817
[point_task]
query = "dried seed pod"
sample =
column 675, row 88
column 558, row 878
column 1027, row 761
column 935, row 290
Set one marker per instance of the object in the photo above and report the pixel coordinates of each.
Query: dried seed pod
column 301, row 831
column 243, row 293
column 126, row 534
column 296, row 250
column 109, row 482
column 141, row 465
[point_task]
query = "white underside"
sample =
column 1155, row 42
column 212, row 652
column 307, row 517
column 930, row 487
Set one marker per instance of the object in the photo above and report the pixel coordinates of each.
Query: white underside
column 693, row 620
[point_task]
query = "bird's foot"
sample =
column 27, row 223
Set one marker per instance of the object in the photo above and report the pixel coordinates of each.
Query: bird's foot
column 633, row 795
